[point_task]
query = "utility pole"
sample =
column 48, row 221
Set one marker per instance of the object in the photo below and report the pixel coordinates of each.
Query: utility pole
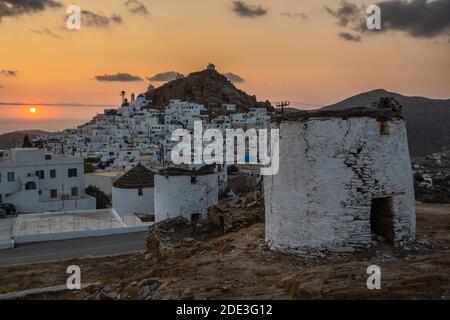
column 281, row 105
column 163, row 157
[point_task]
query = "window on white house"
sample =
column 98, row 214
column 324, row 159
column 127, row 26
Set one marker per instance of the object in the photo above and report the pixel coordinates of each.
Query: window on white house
column 52, row 174
column 74, row 192
column 40, row 174
column 53, row 193
column 72, row 173
column 11, row 177
column 30, row 185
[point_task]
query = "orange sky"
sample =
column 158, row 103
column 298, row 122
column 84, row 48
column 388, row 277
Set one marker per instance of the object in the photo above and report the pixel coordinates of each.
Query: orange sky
column 280, row 58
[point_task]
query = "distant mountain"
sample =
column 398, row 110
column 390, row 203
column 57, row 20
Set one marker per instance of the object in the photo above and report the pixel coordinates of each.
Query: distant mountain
column 9, row 139
column 207, row 87
column 427, row 120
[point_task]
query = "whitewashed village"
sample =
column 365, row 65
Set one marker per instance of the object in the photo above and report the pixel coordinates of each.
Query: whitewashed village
column 344, row 187
column 125, row 153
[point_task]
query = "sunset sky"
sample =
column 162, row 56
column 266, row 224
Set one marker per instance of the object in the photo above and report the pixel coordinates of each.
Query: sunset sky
column 310, row 51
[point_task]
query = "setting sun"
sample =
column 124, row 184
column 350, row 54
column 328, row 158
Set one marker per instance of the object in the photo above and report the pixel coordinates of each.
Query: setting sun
column 33, row 110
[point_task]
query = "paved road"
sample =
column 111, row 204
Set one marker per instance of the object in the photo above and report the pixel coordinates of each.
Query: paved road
column 70, row 249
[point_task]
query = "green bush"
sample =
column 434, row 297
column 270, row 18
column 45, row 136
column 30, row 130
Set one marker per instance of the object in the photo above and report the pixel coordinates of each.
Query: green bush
column 89, row 167
column 103, row 201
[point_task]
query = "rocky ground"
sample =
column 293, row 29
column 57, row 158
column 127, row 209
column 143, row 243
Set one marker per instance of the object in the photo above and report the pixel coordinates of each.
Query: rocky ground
column 205, row 263
column 437, row 194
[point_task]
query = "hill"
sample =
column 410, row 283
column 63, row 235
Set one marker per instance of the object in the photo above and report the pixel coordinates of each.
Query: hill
column 207, row 87
column 427, row 120
column 8, row 139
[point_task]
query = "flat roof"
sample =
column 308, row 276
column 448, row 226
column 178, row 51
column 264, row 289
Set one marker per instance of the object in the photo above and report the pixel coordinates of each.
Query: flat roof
column 105, row 174
column 203, row 171
column 381, row 114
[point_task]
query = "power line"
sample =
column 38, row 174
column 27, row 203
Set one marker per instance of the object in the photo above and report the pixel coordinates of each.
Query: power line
column 307, row 103
column 294, row 102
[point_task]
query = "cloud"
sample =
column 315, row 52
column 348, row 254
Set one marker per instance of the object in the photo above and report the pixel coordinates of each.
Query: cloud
column 46, row 32
column 346, row 13
column 417, row 18
column 118, row 77
column 15, row 8
column 349, row 37
column 137, row 7
column 8, row 73
column 234, row 77
column 295, row 15
column 166, row 76
column 116, row 18
column 91, row 19
column 248, row 11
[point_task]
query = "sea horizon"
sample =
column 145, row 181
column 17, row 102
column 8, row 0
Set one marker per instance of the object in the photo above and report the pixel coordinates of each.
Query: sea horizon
column 57, row 116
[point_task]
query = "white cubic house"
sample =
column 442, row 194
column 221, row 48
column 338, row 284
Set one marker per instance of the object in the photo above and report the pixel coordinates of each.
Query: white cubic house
column 133, row 192
column 36, row 181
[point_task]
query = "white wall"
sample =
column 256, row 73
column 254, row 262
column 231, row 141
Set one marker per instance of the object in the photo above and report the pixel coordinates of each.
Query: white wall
column 7, row 245
column 103, row 182
column 126, row 201
column 28, row 201
column 177, row 196
column 86, row 203
column 330, row 169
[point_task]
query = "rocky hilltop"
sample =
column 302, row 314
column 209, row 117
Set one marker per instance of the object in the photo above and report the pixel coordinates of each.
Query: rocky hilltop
column 207, row 87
